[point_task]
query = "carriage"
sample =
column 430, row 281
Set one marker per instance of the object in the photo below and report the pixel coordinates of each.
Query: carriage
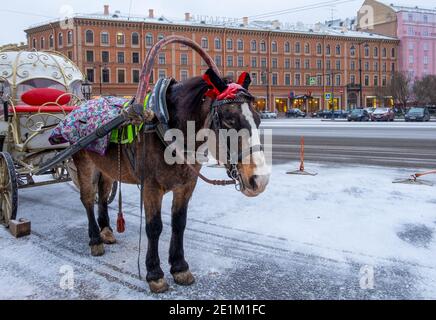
column 37, row 91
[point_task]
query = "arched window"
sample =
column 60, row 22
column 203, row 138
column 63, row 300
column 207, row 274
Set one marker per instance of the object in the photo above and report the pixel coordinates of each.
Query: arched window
column 307, row 48
column 204, row 43
column 318, row 48
column 34, row 45
column 274, row 46
column 297, row 47
column 240, row 45
column 217, row 43
column 384, row 53
column 70, row 37
column 42, row 43
column 121, row 39
column 393, row 53
column 328, row 50
column 160, row 37
column 89, row 36
column 253, row 45
column 135, row 39
column 375, row 52
column 104, row 38
column 262, row 46
column 367, row 51
column 51, row 41
column 229, row 44
column 149, row 40
column 338, row 50
column 61, row 39
column 353, row 51
column 287, row 47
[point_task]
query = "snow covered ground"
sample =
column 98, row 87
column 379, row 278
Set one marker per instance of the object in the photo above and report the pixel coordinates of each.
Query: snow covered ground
column 304, row 238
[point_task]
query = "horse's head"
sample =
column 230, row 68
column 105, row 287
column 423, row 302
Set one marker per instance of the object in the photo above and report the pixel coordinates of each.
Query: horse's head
column 236, row 125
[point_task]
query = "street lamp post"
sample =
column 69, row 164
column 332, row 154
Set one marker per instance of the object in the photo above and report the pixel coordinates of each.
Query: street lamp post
column 360, row 70
column 265, row 73
column 103, row 67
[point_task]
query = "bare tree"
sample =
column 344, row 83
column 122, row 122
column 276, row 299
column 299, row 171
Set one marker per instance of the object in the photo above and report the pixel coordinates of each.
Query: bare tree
column 425, row 90
column 400, row 89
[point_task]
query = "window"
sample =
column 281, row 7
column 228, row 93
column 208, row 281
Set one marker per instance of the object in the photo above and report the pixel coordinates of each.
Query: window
column 274, row 79
column 384, row 81
column 274, row 48
column 425, row 18
column 375, row 52
column 51, row 41
column 121, row 41
column 240, row 61
column 338, row 64
column 90, row 75
column 105, row 56
column 307, row 64
column 89, row 37
column 410, row 17
column 135, row 76
column 319, row 64
column 338, row 50
column 240, row 45
column 376, row 66
column 135, row 39
column 262, row 46
column 60, row 40
column 425, row 60
column 121, row 76
column 274, row 63
column 353, row 51
column 204, row 43
column 229, row 44
column 263, row 63
column 149, row 40
column 353, row 79
column 253, row 62
column 393, row 53
column 328, row 65
column 217, row 44
column 426, row 46
column 287, row 47
column 328, row 50
column 410, row 31
column 160, row 37
column 229, row 61
column 287, row 64
column 411, row 59
column 328, row 81
column 384, row 53
column 353, row 65
column 162, row 59
column 307, row 48
column 34, row 43
column 366, row 81
column 104, row 38
column 297, row 47
column 120, row 57
column 253, row 45
column 162, row 74
column 393, row 67
column 184, row 75
column 70, row 37
column 184, row 59
column 338, row 80
column 297, row 64
column 319, row 49
column 218, row 60
column 367, row 51
column 263, row 78
column 375, row 81
column 254, row 77
column 384, row 67
column 366, row 66
column 135, row 57
column 307, row 79
column 287, row 79
column 42, row 43
column 297, row 81
column 319, row 80
column 89, row 56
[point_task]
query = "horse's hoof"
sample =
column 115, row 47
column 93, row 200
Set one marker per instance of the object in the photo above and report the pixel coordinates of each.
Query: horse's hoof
column 97, row 250
column 184, row 278
column 107, row 236
column 159, row 286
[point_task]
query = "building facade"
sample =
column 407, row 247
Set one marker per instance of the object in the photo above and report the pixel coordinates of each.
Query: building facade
column 308, row 69
column 415, row 28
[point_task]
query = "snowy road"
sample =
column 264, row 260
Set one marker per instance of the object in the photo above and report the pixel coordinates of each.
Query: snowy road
column 305, row 238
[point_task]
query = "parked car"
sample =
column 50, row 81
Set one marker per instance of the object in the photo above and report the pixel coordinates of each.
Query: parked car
column 383, row 114
column 418, row 114
column 359, row 115
column 340, row 114
column 295, row 113
column 268, row 115
column 370, row 111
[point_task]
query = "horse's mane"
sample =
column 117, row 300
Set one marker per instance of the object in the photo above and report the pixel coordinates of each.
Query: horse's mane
column 185, row 98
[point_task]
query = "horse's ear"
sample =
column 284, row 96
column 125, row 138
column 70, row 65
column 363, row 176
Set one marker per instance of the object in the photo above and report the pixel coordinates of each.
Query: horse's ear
column 244, row 80
column 213, row 79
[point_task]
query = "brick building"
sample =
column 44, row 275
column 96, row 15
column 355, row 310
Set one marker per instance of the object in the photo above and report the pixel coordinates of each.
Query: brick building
column 415, row 27
column 290, row 66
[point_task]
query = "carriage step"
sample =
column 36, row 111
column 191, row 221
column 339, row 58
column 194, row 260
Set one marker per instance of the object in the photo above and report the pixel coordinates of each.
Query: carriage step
column 20, row 228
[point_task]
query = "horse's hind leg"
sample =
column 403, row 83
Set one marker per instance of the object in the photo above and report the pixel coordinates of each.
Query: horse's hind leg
column 85, row 174
column 104, row 190
column 179, row 266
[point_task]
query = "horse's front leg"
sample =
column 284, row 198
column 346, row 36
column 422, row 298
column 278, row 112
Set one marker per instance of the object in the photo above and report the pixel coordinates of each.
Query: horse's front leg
column 179, row 266
column 155, row 275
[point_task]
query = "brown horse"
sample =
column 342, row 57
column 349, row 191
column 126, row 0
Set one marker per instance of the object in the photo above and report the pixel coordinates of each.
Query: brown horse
column 186, row 101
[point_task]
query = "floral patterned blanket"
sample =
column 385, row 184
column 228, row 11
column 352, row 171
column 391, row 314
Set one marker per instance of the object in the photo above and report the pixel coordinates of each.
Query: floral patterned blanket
column 85, row 120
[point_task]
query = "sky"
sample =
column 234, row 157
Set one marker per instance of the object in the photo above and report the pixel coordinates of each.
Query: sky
column 15, row 16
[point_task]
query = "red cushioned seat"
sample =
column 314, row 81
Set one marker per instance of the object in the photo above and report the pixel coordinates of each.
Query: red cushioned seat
column 45, row 109
column 45, row 96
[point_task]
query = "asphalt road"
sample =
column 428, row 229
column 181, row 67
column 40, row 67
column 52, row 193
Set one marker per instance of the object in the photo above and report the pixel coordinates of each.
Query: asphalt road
column 397, row 144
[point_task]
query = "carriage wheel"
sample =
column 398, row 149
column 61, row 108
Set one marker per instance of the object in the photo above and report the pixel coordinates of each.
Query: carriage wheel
column 73, row 174
column 8, row 189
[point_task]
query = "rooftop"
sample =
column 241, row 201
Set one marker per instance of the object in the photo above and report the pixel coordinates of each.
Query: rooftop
column 399, row 8
column 230, row 23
